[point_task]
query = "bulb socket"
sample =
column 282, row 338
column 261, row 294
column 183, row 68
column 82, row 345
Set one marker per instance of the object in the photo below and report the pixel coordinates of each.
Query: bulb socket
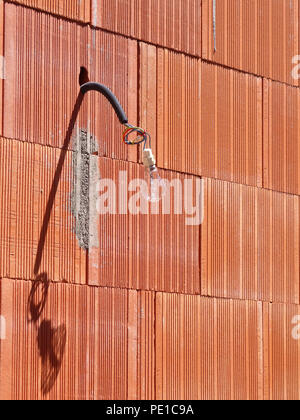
column 148, row 158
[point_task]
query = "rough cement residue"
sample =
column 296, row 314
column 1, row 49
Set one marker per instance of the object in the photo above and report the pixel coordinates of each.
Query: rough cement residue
column 84, row 195
column 94, row 12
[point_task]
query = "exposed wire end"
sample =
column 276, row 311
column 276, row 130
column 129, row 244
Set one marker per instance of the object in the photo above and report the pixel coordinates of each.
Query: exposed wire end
column 142, row 136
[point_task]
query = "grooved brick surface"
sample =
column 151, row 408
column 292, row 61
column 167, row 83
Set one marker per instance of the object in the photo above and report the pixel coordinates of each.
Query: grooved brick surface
column 151, row 251
column 71, row 9
column 2, row 62
column 182, row 303
column 281, row 137
column 75, row 342
column 126, row 250
column 175, row 24
column 231, row 126
column 257, row 36
column 46, row 54
column 36, row 223
column 79, row 342
column 281, row 352
column 209, row 119
column 250, row 243
column 220, row 352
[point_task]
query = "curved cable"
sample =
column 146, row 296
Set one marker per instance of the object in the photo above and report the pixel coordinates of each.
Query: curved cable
column 142, row 135
column 105, row 91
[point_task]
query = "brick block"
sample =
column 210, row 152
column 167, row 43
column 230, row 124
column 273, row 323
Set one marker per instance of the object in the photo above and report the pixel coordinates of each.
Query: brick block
column 281, row 352
column 257, row 36
column 44, row 55
column 175, row 24
column 36, row 222
column 76, row 10
column 250, row 243
column 209, row 119
column 208, row 348
column 281, row 137
column 75, row 342
column 153, row 251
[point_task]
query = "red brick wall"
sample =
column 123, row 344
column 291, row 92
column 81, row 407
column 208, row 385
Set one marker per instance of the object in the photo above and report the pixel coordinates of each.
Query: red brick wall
column 157, row 309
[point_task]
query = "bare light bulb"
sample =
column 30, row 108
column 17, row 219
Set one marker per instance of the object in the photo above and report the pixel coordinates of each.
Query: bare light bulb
column 155, row 183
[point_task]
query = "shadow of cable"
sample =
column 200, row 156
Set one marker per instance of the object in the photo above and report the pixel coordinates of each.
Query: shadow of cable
column 51, row 341
column 55, row 183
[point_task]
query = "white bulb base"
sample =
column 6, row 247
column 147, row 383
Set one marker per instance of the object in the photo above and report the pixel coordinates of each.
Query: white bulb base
column 148, row 158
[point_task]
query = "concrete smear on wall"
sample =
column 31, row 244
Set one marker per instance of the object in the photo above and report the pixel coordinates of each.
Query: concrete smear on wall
column 84, row 194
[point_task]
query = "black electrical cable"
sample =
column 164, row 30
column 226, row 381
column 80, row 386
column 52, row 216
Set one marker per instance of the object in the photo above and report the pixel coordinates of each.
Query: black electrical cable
column 87, row 87
column 105, row 91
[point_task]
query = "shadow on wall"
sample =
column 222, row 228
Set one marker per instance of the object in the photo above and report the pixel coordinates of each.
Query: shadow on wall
column 51, row 341
column 55, row 184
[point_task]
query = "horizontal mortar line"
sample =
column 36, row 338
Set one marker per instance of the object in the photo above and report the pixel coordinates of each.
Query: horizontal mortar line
column 246, row 73
column 47, row 12
column 109, row 31
column 52, row 282
column 160, row 168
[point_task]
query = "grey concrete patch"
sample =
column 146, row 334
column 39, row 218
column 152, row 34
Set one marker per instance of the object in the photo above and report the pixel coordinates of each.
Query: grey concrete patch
column 84, row 194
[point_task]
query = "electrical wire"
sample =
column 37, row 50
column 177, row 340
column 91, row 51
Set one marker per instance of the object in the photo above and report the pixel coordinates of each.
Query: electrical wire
column 142, row 136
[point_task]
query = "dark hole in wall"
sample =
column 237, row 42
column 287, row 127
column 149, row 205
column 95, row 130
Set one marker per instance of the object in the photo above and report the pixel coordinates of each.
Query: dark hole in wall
column 83, row 76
